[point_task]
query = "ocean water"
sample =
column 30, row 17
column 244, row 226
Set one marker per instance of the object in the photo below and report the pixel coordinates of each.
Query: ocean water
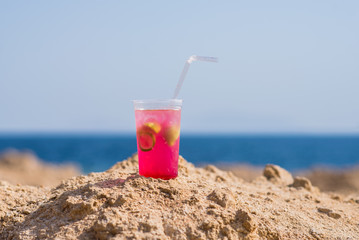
column 99, row 152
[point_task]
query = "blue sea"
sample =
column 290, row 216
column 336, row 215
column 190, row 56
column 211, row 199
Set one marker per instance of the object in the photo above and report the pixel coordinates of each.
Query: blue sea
column 99, row 152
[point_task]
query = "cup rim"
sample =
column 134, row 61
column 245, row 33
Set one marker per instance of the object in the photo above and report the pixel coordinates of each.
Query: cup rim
column 157, row 100
column 149, row 104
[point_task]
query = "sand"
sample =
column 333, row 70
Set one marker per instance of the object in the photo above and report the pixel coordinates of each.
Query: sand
column 343, row 181
column 25, row 168
column 340, row 181
column 202, row 203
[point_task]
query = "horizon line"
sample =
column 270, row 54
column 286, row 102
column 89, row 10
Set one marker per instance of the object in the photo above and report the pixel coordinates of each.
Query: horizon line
column 186, row 133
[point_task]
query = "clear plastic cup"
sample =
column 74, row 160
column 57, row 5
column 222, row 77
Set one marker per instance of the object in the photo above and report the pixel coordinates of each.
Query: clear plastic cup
column 158, row 135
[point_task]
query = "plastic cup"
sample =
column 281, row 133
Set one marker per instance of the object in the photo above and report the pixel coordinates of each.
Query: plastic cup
column 158, row 135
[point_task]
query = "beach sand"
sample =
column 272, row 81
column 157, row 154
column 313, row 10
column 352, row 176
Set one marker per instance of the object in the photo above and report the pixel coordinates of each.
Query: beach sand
column 202, row 203
column 341, row 181
column 25, row 168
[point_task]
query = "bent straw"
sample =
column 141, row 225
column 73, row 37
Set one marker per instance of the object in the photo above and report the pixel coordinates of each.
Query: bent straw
column 186, row 67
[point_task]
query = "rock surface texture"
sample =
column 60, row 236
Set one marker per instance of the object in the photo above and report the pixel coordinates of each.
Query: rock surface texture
column 202, row 203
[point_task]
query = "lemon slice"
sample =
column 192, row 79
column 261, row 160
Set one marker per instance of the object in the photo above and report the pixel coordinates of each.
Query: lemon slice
column 146, row 139
column 172, row 134
column 154, row 126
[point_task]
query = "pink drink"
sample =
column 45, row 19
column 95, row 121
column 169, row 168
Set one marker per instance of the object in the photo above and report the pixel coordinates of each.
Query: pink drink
column 158, row 136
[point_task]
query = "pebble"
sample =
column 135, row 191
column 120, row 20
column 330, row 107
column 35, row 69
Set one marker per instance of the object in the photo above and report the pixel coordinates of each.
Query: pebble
column 334, row 215
column 324, row 210
column 329, row 212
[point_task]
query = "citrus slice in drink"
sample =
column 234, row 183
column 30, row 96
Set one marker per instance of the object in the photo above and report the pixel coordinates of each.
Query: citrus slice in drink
column 146, row 138
column 154, row 126
column 171, row 134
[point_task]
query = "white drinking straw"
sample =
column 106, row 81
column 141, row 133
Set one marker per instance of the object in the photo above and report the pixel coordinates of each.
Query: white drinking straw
column 186, row 67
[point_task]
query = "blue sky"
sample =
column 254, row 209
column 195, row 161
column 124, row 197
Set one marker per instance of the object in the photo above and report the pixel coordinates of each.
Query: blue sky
column 284, row 66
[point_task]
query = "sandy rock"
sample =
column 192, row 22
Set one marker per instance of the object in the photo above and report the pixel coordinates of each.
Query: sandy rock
column 302, row 182
column 200, row 204
column 17, row 202
column 277, row 174
column 223, row 197
column 247, row 220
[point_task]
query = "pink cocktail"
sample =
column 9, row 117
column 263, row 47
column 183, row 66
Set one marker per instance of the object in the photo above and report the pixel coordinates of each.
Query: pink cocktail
column 158, row 136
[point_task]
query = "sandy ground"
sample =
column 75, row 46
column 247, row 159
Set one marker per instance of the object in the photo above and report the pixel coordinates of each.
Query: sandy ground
column 25, row 168
column 344, row 182
column 202, row 203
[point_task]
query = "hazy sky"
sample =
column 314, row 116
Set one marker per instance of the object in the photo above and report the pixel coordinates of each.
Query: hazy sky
column 284, row 66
